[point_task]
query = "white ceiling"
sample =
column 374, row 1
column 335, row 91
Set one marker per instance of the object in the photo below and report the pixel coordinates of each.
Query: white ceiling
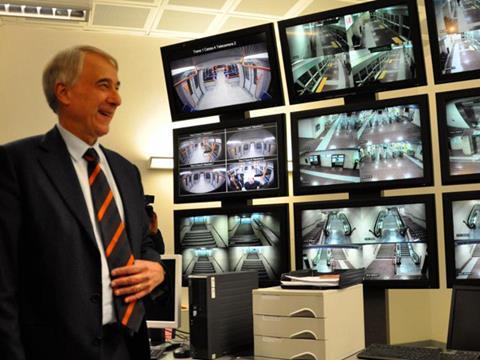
column 178, row 19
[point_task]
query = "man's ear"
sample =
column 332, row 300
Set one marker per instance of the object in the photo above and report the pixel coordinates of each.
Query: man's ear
column 62, row 93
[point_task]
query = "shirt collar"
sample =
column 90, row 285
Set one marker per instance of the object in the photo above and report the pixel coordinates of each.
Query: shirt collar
column 75, row 146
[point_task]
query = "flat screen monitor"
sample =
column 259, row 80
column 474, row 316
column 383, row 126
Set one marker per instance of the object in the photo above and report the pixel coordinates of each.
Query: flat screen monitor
column 164, row 311
column 454, row 35
column 393, row 239
column 218, row 240
column 462, row 237
column 463, row 330
column 459, row 135
column 238, row 159
column 231, row 72
column 365, row 48
column 362, row 147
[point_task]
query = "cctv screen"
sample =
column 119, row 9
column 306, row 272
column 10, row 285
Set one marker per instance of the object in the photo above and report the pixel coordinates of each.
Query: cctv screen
column 361, row 146
column 458, row 34
column 466, row 238
column 390, row 242
column 229, row 160
column 352, row 51
column 223, row 74
column 221, row 243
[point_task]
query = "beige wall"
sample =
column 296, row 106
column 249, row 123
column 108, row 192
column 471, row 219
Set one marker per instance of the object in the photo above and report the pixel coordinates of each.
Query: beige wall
column 142, row 128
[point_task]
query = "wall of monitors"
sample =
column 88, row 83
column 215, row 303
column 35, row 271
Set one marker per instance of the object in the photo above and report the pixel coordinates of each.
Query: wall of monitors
column 462, row 237
column 234, row 239
column 454, row 37
column 393, row 238
column 365, row 48
column 241, row 159
column 360, row 147
column 458, row 116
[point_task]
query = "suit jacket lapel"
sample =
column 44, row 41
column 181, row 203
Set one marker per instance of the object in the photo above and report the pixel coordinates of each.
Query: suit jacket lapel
column 57, row 163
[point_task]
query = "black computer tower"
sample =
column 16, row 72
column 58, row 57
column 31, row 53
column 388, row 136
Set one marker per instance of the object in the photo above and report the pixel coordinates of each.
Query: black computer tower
column 221, row 319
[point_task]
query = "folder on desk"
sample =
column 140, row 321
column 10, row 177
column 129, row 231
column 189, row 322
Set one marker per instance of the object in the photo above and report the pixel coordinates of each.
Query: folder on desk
column 311, row 279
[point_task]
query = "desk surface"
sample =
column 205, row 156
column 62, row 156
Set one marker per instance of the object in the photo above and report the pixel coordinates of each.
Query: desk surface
column 169, row 356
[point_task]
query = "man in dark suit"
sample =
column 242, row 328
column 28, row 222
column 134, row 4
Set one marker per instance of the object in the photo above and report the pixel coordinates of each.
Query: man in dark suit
column 59, row 294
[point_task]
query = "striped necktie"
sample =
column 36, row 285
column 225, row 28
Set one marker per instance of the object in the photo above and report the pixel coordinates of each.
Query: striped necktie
column 114, row 237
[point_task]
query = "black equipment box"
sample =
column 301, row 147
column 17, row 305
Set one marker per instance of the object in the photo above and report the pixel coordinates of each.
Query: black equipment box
column 221, row 318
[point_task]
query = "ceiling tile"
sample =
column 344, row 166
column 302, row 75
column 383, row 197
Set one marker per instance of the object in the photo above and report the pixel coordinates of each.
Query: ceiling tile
column 319, row 6
column 236, row 23
column 184, row 21
column 209, row 4
column 121, row 16
column 267, row 7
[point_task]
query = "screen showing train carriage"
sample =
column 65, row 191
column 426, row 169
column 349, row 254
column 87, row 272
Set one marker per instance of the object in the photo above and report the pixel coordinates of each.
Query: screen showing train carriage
column 459, row 135
column 365, row 48
column 245, row 159
column 359, row 147
column 393, row 239
column 218, row 240
column 454, row 29
column 462, row 237
column 231, row 72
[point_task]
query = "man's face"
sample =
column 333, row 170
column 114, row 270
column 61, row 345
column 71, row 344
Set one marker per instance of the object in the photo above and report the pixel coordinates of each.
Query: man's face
column 92, row 100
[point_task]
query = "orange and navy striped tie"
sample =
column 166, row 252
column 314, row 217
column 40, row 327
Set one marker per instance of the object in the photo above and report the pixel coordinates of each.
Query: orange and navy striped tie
column 114, row 236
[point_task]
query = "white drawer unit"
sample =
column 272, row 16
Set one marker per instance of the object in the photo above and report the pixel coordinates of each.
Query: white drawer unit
column 308, row 324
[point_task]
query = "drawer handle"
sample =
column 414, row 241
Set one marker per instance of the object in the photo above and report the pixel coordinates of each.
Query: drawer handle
column 304, row 334
column 305, row 312
column 304, row 356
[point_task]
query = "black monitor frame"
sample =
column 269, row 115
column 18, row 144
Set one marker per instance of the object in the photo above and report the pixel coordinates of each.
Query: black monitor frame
column 284, row 237
column 431, row 238
column 420, row 78
column 246, row 36
column 426, row 180
column 464, row 318
column 437, row 57
column 449, row 231
column 282, row 181
column 442, row 99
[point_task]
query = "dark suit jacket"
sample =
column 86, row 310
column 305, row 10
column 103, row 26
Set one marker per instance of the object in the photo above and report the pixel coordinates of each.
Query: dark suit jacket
column 50, row 273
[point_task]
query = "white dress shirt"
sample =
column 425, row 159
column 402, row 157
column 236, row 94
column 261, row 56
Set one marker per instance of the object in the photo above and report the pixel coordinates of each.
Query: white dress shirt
column 77, row 147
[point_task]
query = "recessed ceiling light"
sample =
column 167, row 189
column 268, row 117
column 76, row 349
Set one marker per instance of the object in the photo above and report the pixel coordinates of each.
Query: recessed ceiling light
column 42, row 12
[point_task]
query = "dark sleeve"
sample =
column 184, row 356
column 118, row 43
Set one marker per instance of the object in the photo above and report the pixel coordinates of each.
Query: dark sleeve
column 11, row 346
column 158, row 242
column 148, row 248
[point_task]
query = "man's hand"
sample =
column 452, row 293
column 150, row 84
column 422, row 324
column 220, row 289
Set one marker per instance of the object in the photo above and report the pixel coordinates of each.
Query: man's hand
column 137, row 280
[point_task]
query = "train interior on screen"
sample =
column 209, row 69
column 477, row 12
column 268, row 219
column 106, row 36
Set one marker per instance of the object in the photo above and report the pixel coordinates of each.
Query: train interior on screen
column 466, row 223
column 459, row 23
column 464, row 135
column 352, row 51
column 388, row 241
column 223, row 78
column 220, row 243
column 370, row 145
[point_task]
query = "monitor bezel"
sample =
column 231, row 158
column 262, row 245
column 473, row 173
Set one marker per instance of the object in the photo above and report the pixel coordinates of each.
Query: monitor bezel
column 435, row 52
column 282, row 189
column 453, row 322
column 441, row 99
column 175, row 324
column 281, row 209
column 167, row 53
column 448, row 199
column 426, row 180
column 369, row 89
column 427, row 199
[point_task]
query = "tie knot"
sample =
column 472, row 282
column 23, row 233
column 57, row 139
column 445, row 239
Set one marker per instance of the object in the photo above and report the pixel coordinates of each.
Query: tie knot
column 91, row 155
